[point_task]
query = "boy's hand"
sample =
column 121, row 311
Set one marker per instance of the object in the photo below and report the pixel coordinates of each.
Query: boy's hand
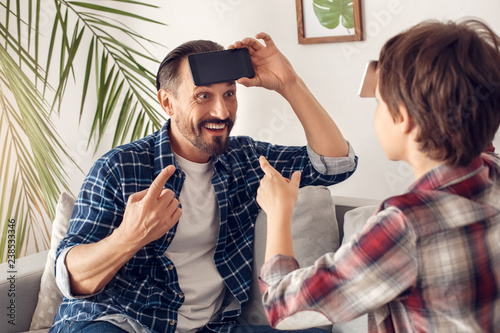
column 272, row 69
column 277, row 195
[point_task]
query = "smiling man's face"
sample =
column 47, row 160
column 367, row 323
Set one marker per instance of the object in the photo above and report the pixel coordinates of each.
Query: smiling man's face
column 202, row 117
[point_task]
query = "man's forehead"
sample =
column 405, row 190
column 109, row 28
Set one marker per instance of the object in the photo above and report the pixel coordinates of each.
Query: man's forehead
column 185, row 71
column 188, row 78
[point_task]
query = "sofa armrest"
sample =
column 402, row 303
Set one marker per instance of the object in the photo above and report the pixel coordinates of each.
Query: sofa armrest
column 19, row 287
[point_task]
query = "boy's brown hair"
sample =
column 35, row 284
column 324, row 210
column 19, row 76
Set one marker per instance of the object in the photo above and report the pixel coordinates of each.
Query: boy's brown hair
column 448, row 77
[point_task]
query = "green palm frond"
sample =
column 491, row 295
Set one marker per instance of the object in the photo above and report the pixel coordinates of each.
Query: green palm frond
column 33, row 85
column 120, row 75
column 31, row 166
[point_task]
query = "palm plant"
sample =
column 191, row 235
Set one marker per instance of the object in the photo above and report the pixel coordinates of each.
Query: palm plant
column 34, row 75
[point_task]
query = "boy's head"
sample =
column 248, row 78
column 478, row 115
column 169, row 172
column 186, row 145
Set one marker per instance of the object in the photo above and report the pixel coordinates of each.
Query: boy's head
column 448, row 77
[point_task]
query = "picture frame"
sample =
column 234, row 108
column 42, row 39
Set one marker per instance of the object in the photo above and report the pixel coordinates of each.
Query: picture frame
column 328, row 21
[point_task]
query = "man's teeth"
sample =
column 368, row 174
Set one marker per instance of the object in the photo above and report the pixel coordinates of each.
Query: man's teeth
column 215, row 126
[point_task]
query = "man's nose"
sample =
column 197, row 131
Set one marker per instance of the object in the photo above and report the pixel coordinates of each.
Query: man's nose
column 220, row 109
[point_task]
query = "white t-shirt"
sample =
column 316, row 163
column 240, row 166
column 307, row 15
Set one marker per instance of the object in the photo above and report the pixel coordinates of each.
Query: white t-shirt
column 192, row 249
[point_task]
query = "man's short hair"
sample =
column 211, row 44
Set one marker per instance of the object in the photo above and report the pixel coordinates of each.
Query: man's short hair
column 448, row 77
column 167, row 77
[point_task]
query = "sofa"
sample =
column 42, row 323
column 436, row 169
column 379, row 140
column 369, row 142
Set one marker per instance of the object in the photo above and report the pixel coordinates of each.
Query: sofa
column 321, row 223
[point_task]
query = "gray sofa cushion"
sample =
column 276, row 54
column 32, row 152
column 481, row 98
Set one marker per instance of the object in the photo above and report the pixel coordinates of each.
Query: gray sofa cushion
column 49, row 297
column 315, row 232
column 355, row 219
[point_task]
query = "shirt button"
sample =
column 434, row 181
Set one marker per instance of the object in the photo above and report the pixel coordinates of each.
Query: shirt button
column 169, row 239
column 181, row 295
column 170, row 267
column 172, row 322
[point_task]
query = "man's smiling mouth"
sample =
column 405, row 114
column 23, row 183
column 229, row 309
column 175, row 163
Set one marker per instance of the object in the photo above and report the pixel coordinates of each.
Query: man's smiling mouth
column 215, row 127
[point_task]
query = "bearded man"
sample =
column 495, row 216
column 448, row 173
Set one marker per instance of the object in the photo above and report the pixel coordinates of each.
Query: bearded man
column 161, row 235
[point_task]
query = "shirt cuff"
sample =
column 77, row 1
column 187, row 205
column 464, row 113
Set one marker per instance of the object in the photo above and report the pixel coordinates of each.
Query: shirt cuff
column 62, row 277
column 276, row 268
column 333, row 165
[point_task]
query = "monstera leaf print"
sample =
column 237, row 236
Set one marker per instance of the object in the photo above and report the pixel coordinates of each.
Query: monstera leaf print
column 329, row 13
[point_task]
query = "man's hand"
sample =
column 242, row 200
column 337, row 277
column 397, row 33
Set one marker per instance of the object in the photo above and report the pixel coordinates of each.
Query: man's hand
column 272, row 69
column 151, row 213
column 277, row 195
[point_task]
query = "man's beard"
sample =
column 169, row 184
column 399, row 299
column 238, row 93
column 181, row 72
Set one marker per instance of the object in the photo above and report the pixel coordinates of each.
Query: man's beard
column 217, row 146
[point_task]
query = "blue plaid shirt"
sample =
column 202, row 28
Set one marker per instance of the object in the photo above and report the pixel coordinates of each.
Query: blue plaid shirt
column 146, row 288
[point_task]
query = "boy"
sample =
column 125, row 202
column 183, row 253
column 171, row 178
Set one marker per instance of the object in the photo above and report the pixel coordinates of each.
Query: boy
column 428, row 260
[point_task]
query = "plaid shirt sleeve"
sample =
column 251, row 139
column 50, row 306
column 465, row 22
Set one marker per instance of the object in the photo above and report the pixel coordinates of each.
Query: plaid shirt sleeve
column 98, row 209
column 333, row 165
column 316, row 169
column 375, row 267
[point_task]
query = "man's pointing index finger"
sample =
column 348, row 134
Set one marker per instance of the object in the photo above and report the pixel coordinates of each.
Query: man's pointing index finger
column 157, row 186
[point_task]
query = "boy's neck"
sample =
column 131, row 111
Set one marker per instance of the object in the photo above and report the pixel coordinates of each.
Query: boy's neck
column 423, row 169
column 420, row 163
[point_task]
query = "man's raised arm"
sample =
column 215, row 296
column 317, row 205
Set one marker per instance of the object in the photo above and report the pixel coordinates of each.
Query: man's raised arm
column 273, row 71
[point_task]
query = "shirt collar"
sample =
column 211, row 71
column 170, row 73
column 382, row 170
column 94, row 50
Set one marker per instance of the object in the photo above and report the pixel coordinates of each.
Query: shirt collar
column 221, row 161
column 446, row 176
column 164, row 155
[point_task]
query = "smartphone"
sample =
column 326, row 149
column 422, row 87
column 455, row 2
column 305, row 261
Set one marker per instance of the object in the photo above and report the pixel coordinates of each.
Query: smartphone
column 220, row 66
column 369, row 81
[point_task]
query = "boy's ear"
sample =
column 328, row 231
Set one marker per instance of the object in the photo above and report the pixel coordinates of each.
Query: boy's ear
column 165, row 99
column 405, row 120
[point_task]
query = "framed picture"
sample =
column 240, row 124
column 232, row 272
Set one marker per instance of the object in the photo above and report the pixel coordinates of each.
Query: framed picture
column 327, row 21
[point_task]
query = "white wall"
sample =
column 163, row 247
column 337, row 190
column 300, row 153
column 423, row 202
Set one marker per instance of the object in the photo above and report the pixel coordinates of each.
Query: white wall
column 332, row 72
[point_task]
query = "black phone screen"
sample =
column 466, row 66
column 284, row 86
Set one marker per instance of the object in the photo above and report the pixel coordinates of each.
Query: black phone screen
column 220, row 66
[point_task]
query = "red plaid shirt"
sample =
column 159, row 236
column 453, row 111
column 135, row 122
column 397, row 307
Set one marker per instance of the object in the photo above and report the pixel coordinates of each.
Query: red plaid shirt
column 428, row 261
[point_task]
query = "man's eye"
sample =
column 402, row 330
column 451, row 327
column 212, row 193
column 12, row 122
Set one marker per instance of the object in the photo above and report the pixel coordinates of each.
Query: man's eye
column 203, row 96
column 230, row 94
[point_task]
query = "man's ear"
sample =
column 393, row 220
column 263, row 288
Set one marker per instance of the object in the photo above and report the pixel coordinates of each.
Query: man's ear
column 165, row 99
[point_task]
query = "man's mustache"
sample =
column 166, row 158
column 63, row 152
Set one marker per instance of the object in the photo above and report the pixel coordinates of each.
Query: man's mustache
column 228, row 121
